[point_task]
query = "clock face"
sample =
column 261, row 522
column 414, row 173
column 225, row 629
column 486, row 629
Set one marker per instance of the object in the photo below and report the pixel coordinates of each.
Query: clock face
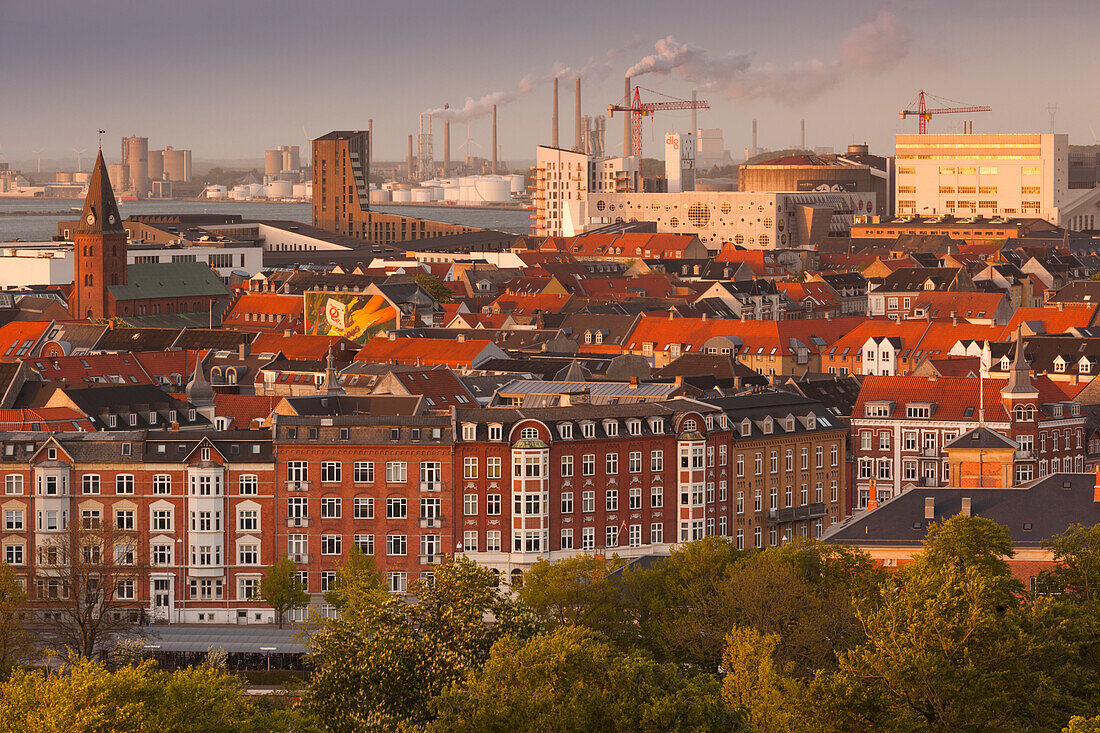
column 91, row 218
column 111, row 219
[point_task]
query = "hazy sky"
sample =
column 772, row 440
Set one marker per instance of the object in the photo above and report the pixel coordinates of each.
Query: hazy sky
column 229, row 78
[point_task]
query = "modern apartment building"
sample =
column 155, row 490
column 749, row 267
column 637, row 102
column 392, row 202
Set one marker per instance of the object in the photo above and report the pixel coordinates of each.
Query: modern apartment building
column 1009, row 175
column 563, row 178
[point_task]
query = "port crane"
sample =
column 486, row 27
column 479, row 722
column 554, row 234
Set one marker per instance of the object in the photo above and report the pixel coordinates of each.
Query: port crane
column 924, row 114
column 639, row 109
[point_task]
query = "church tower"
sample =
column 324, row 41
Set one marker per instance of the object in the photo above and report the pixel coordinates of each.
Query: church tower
column 99, row 249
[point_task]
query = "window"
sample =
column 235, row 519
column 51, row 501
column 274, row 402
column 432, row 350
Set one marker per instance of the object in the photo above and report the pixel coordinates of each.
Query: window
column 13, row 520
column 611, row 534
column 397, row 582
column 495, row 433
column 396, row 508
column 636, row 498
column 565, row 430
column 885, row 468
column 248, row 484
column 588, row 501
column 362, row 507
column 469, row 541
column 162, row 520
column 588, row 464
column 13, row 484
column 492, row 467
column 492, row 505
column 90, row 483
column 162, row 483
column 567, row 539
column 330, row 472
column 469, row 505
column 363, row 472
column 469, row 467
column 492, row 541
column 330, row 507
column 365, row 543
column 567, row 466
column 656, row 461
column 529, row 434
column 588, row 538
column 611, row 464
column 656, row 497
column 330, row 544
column 248, row 554
column 162, row 554
column 567, row 502
column 396, row 472
column 773, row 461
column 635, row 462
column 612, row 500
column 396, row 544
column 884, row 440
column 248, row 520
column 740, row 465
column 469, row 431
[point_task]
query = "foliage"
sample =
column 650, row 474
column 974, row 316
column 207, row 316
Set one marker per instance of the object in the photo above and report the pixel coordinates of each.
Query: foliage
column 1076, row 569
column 357, row 577
column 281, row 588
column 435, row 287
column 1081, row 724
column 86, row 696
column 752, row 684
column 15, row 639
column 378, row 664
column 570, row 680
column 575, row 591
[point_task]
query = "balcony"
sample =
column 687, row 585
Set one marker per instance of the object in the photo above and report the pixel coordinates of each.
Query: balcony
column 298, row 521
column 302, row 559
column 431, row 522
column 929, row 452
column 429, row 559
column 431, row 485
column 799, row 513
column 297, row 486
column 1025, row 455
column 928, row 481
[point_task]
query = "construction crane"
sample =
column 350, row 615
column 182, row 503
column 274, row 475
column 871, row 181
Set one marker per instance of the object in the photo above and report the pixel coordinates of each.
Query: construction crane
column 638, row 110
column 924, row 114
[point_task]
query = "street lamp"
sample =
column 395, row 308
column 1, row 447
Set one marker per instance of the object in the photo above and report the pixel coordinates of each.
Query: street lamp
column 268, row 650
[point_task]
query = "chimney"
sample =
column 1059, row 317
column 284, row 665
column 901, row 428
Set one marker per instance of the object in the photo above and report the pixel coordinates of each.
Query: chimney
column 494, row 169
column 446, row 148
column 242, row 350
column 409, row 159
column 460, row 338
column 577, row 134
column 554, row 117
column 678, row 382
column 965, row 511
column 802, row 144
column 626, row 119
column 566, row 400
column 929, row 507
column 1061, row 306
column 753, row 136
column 633, row 383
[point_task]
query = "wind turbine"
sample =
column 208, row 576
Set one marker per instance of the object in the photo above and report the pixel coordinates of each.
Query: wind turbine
column 470, row 142
column 309, row 144
column 79, row 152
column 38, row 153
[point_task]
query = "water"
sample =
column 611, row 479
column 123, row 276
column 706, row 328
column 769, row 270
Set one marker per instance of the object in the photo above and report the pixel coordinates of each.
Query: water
column 43, row 226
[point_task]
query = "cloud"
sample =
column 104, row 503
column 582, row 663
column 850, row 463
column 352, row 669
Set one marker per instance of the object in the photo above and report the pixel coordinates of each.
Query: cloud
column 870, row 47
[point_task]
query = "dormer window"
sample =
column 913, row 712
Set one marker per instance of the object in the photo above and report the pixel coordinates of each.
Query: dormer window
column 918, row 410
column 634, row 427
column 1059, row 365
column 112, row 421
column 656, row 425
column 746, row 428
column 811, row 422
column 495, row 432
column 768, row 425
column 611, row 428
column 565, row 430
column 1005, row 364
column 710, row 422
column 469, row 431
column 588, row 429
column 191, row 415
column 1084, row 366
column 788, row 424
column 588, row 337
column 171, row 416
column 133, row 419
column 877, row 409
column 599, row 337
column 689, row 426
column 152, row 418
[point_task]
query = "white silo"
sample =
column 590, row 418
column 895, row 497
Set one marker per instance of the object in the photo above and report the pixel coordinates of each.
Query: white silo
column 279, row 189
column 422, row 195
column 300, row 191
column 382, row 196
column 517, row 181
column 401, row 195
column 451, row 193
column 493, row 189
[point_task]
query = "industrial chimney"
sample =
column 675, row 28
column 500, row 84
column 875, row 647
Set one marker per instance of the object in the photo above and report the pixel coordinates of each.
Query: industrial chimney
column 409, row 159
column 626, row 120
column 754, row 136
column 554, row 117
column 494, row 170
column 446, row 146
column 802, row 144
column 578, row 143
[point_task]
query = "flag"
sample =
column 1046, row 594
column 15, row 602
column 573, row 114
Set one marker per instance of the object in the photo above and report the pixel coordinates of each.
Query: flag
column 336, row 314
column 987, row 360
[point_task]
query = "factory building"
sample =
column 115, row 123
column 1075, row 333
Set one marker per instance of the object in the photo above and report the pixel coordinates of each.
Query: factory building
column 858, row 172
column 341, row 197
column 753, row 220
column 283, row 162
column 1009, row 175
column 563, row 181
column 176, row 164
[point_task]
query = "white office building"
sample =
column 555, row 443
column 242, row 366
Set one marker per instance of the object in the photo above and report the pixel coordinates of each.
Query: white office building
column 563, row 180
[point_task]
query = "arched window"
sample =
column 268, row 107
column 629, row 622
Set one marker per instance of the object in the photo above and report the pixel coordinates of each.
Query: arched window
column 529, row 434
column 689, row 426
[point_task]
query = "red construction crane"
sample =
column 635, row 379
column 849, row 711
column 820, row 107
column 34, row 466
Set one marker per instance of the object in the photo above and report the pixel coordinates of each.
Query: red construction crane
column 924, row 114
column 638, row 110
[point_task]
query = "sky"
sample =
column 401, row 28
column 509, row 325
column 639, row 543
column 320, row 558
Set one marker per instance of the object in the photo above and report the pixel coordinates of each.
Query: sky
column 231, row 78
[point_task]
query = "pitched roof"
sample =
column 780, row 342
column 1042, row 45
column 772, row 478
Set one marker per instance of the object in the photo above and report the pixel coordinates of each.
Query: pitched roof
column 1051, row 320
column 100, row 213
column 92, row 368
column 18, row 337
column 169, row 280
column 244, row 410
column 425, row 351
column 45, row 419
column 955, row 398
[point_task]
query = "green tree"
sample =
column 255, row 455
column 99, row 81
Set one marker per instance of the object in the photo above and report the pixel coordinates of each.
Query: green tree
column 357, row 578
column 1082, row 724
column 384, row 657
column 570, row 680
column 575, row 591
column 753, row 685
column 281, row 588
column 87, row 697
column 435, row 287
column 15, row 639
column 1076, row 571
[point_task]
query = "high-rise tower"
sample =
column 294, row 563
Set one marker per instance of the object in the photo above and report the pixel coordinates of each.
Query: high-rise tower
column 99, row 248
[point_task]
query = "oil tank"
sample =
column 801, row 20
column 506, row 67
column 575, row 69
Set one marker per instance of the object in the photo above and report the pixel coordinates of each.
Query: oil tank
column 517, row 181
column 240, row 193
column 255, row 190
column 380, row 197
column 280, row 189
column 493, row 189
column 422, row 195
column 451, row 193
column 401, row 195
column 301, row 191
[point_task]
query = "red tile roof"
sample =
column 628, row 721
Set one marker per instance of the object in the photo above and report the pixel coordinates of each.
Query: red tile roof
column 762, row 263
column 965, row 305
column 121, row 368
column 525, row 304
column 243, row 410
column 314, row 347
column 1054, row 320
column 424, row 351
column 46, row 419
column 951, row 395
column 269, row 312
column 17, row 337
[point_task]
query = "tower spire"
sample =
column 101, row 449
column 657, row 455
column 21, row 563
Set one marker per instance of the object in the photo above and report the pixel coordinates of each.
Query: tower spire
column 1019, row 380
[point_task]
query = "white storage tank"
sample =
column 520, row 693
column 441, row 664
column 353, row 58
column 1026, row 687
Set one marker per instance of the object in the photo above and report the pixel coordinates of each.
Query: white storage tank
column 381, row 197
column 437, row 193
column 239, row 193
column 422, row 195
column 516, row 179
column 429, row 184
column 449, row 182
column 255, row 190
column 451, row 193
column 214, row 191
column 301, row 190
column 280, row 189
column 493, row 189
column 401, row 195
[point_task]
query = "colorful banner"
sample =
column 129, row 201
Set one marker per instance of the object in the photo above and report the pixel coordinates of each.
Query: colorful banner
column 356, row 316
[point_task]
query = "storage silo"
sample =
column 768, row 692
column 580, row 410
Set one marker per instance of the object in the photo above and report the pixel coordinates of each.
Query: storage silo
column 422, row 195
column 177, row 164
column 273, row 163
column 517, row 181
column 137, row 163
column 451, row 193
column 300, row 191
column 156, row 165
column 493, row 189
column 116, row 172
column 280, row 189
column 381, row 197
column 401, row 195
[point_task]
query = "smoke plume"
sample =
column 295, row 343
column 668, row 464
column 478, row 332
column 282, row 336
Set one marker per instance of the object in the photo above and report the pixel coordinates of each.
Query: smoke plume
column 872, row 46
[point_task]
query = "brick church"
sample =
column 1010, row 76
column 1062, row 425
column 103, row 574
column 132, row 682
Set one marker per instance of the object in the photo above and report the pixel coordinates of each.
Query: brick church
column 105, row 286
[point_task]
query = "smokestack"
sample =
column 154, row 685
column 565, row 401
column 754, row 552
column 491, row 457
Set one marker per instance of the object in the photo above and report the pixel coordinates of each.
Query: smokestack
column 370, row 150
column 694, row 116
column 409, row 160
column 554, row 117
column 626, row 121
column 753, row 136
column 446, row 148
column 494, row 170
column 802, row 145
column 578, row 142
